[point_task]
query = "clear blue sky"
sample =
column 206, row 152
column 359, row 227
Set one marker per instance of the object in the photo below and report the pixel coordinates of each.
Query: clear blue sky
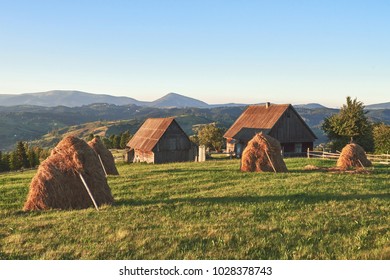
column 216, row 51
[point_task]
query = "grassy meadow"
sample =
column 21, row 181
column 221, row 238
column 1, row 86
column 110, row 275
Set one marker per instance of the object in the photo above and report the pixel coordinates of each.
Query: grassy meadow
column 209, row 210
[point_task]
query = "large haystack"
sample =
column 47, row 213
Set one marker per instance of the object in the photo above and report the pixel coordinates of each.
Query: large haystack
column 263, row 154
column 105, row 155
column 353, row 155
column 58, row 185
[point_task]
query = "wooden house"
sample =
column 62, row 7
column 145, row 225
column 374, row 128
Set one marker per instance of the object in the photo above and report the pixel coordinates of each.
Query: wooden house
column 281, row 122
column 161, row 140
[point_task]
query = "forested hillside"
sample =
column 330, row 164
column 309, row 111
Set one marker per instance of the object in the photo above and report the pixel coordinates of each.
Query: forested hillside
column 28, row 123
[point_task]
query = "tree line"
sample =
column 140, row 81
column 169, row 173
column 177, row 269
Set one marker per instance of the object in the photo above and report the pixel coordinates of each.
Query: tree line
column 114, row 141
column 23, row 156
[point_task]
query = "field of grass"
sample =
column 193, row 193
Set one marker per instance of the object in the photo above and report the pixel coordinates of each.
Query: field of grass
column 208, row 210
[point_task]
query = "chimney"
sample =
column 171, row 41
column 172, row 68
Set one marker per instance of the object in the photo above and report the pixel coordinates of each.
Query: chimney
column 267, row 104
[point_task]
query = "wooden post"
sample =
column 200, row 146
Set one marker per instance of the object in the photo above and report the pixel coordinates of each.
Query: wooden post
column 89, row 192
column 273, row 167
column 308, row 152
column 101, row 162
column 361, row 163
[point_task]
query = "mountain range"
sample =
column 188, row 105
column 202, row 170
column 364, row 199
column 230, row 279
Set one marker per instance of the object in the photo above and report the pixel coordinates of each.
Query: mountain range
column 73, row 98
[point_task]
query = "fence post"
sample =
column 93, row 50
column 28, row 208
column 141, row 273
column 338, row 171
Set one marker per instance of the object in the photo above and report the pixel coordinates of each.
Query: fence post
column 308, row 152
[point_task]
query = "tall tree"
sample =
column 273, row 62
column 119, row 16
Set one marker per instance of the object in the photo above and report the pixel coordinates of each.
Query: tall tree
column 382, row 138
column 350, row 124
column 14, row 163
column 5, row 162
column 125, row 138
column 211, row 136
column 32, row 157
column 21, row 155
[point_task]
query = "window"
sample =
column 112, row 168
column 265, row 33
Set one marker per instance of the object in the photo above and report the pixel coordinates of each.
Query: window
column 298, row 147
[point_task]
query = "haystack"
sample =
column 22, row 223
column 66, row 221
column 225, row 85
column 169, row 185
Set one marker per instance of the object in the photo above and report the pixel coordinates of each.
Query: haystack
column 353, row 155
column 263, row 154
column 58, row 184
column 107, row 160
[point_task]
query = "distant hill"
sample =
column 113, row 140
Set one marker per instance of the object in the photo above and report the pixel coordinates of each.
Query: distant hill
column 73, row 98
column 179, row 101
column 69, row 98
column 310, row 106
column 379, row 106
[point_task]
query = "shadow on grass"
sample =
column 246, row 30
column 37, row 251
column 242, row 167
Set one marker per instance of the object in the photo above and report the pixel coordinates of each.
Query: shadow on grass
column 295, row 198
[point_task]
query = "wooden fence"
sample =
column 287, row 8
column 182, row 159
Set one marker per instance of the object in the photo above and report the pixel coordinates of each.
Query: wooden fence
column 383, row 158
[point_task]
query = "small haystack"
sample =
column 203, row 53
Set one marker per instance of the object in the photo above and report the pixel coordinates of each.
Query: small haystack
column 107, row 160
column 58, row 184
column 263, row 154
column 353, row 155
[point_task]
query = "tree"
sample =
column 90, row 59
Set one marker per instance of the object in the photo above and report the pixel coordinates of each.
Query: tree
column 211, row 136
column 33, row 158
column 107, row 143
column 125, row 138
column 349, row 125
column 21, row 155
column 116, row 142
column 14, row 163
column 194, row 139
column 381, row 134
column 4, row 160
column 90, row 137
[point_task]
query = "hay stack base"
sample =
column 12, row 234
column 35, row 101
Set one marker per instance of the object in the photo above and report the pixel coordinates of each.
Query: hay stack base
column 353, row 155
column 263, row 154
column 105, row 155
column 57, row 184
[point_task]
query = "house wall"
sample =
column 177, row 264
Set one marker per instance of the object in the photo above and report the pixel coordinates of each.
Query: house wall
column 290, row 129
column 230, row 147
column 143, row 156
column 174, row 146
column 298, row 148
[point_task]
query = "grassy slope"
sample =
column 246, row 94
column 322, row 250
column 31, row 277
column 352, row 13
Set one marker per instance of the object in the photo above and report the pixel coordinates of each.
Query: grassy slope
column 208, row 211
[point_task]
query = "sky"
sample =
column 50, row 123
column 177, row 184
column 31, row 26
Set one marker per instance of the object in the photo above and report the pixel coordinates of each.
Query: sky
column 216, row 51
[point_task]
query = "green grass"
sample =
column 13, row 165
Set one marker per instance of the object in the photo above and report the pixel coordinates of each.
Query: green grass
column 208, row 210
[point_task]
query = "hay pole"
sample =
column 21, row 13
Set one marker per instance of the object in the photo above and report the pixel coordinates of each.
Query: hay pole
column 89, row 192
column 273, row 167
column 101, row 162
column 361, row 163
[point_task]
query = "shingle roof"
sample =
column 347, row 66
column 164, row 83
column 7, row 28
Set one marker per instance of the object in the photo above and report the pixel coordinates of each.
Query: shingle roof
column 150, row 133
column 259, row 117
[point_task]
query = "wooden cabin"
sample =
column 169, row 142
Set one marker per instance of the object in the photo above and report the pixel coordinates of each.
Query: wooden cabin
column 160, row 140
column 280, row 121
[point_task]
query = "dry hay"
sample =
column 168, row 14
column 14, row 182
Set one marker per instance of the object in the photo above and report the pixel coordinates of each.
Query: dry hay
column 57, row 183
column 353, row 155
column 336, row 170
column 105, row 155
column 263, row 154
column 313, row 167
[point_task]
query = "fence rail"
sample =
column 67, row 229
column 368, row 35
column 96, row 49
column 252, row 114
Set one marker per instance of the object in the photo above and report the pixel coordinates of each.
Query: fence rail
column 383, row 158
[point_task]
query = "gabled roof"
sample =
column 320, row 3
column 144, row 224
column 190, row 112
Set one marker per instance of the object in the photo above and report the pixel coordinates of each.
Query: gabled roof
column 150, row 133
column 258, row 117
